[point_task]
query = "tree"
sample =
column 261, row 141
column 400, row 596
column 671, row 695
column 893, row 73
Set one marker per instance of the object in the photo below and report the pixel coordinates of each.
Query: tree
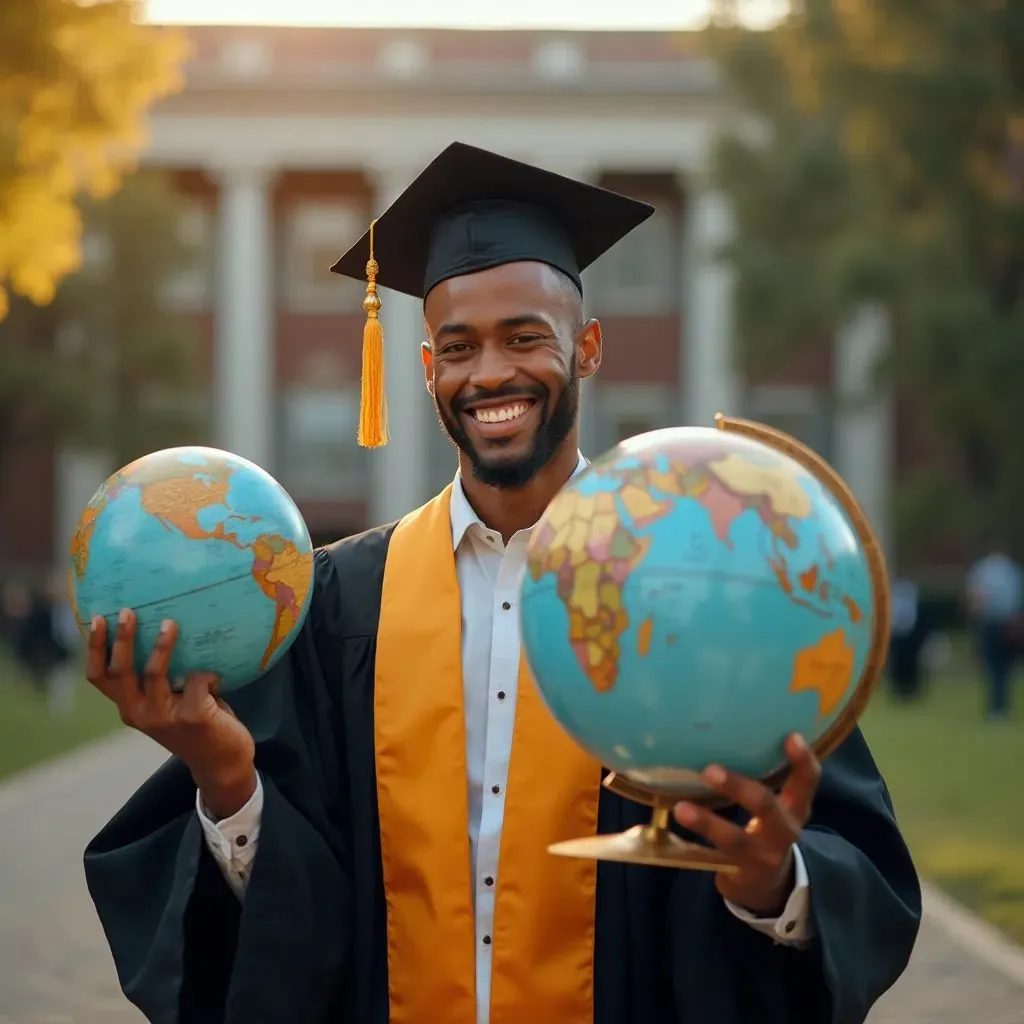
column 76, row 77
column 107, row 364
column 890, row 169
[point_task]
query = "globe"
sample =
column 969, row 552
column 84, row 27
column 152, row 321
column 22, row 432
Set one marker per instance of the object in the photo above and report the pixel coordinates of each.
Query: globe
column 696, row 595
column 207, row 539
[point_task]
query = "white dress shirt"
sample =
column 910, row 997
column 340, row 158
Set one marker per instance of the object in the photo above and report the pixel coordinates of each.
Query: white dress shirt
column 489, row 574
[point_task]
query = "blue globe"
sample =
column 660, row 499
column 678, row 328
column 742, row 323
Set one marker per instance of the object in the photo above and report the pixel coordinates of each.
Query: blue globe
column 205, row 538
column 696, row 595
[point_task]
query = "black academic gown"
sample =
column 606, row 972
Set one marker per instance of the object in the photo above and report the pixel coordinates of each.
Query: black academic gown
column 309, row 944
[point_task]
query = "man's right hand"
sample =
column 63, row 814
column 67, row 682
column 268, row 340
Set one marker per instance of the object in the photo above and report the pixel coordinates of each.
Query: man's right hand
column 195, row 725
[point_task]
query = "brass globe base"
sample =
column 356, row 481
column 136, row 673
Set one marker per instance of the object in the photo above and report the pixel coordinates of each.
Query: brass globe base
column 651, row 844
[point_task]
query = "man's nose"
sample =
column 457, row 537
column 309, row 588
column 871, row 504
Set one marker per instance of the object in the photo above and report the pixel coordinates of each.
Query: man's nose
column 492, row 370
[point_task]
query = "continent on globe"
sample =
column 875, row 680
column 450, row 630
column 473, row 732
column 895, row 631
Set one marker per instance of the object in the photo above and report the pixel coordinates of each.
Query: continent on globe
column 826, row 669
column 772, row 484
column 284, row 574
column 194, row 496
column 82, row 537
column 644, row 635
column 591, row 553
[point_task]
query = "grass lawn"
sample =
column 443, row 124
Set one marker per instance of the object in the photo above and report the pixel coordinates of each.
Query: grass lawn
column 29, row 733
column 956, row 783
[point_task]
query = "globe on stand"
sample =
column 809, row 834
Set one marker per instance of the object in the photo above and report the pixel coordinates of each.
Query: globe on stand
column 203, row 537
column 692, row 598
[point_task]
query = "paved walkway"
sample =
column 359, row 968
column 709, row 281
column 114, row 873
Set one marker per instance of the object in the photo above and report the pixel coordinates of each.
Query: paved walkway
column 55, row 968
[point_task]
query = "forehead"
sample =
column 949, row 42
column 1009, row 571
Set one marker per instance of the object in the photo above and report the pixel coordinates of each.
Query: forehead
column 500, row 293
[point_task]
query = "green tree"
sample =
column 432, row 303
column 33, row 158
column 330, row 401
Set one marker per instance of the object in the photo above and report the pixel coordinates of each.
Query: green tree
column 888, row 165
column 76, row 78
column 107, row 363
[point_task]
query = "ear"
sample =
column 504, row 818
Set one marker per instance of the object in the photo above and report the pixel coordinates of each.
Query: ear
column 427, row 357
column 589, row 346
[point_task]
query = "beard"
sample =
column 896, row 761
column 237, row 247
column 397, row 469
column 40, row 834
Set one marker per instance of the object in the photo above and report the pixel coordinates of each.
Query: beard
column 512, row 471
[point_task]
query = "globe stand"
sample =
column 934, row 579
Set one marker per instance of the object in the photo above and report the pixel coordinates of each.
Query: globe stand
column 654, row 844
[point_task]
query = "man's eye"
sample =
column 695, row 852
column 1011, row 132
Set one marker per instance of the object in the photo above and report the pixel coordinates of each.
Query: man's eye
column 524, row 339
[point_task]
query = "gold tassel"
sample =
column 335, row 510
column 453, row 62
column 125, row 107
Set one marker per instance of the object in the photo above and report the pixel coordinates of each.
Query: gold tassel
column 373, row 405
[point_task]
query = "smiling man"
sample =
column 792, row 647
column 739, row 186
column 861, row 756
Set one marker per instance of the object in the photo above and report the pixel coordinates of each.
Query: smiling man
column 362, row 837
column 508, row 416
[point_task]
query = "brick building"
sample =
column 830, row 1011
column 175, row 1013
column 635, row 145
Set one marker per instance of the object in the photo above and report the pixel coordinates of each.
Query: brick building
column 286, row 141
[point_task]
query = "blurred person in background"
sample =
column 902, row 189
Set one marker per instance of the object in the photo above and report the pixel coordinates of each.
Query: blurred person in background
column 994, row 594
column 906, row 678
column 67, row 638
column 42, row 649
column 15, row 604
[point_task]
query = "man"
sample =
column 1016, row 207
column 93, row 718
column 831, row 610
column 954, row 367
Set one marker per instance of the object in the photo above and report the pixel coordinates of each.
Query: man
column 994, row 592
column 908, row 634
column 368, row 841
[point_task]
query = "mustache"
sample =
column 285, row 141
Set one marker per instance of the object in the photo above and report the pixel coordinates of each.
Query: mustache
column 460, row 403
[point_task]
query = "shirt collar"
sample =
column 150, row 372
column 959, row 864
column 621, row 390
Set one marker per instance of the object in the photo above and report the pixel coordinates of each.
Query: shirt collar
column 462, row 515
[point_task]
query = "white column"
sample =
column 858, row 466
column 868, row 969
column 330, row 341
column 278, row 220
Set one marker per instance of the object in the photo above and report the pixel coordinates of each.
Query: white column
column 400, row 469
column 864, row 422
column 245, row 359
column 709, row 381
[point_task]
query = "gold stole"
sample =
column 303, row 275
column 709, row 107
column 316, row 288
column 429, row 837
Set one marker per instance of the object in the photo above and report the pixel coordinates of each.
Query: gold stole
column 543, row 940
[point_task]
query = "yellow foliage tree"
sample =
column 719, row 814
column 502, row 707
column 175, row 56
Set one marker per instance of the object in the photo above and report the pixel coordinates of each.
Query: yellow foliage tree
column 76, row 79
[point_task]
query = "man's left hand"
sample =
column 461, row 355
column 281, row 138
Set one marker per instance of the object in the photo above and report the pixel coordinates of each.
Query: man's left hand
column 763, row 851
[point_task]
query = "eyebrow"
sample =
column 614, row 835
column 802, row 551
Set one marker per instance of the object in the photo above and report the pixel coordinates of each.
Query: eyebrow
column 509, row 323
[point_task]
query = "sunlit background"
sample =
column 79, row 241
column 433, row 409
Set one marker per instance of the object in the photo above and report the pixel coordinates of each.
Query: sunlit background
column 600, row 15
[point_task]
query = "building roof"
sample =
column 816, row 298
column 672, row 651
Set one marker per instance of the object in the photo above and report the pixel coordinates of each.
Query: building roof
column 443, row 59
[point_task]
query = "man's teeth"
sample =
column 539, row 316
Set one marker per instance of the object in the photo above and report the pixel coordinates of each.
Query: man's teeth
column 501, row 413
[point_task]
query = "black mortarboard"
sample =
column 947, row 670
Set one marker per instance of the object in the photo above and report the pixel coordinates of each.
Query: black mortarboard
column 471, row 210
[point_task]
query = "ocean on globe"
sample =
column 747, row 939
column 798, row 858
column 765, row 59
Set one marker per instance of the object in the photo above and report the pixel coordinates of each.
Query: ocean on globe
column 203, row 537
column 692, row 598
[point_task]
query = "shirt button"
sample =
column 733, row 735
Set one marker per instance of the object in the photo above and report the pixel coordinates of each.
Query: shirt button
column 495, row 790
column 487, row 940
column 505, row 605
column 241, row 840
column 501, row 695
column 488, row 880
column 790, row 925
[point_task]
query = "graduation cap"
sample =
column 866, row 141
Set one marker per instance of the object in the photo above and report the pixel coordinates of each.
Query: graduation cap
column 471, row 210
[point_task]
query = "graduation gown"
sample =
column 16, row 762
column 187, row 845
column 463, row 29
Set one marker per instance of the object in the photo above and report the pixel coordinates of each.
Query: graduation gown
column 358, row 908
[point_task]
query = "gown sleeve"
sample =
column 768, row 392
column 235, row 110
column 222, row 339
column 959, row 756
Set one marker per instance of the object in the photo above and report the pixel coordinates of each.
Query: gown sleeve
column 865, row 908
column 184, row 947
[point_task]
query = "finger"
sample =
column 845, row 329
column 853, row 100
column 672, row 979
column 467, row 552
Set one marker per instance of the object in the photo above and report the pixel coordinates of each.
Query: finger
column 721, row 833
column 96, row 661
column 154, row 676
column 773, row 823
column 797, row 796
column 130, row 699
column 200, row 687
column 122, row 657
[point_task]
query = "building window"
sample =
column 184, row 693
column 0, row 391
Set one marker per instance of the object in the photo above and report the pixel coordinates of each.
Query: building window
column 316, row 233
column 320, row 458
column 189, row 290
column 641, row 274
column 622, row 411
column 797, row 410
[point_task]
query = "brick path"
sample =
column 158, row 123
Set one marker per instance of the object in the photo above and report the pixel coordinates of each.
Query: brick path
column 54, row 965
